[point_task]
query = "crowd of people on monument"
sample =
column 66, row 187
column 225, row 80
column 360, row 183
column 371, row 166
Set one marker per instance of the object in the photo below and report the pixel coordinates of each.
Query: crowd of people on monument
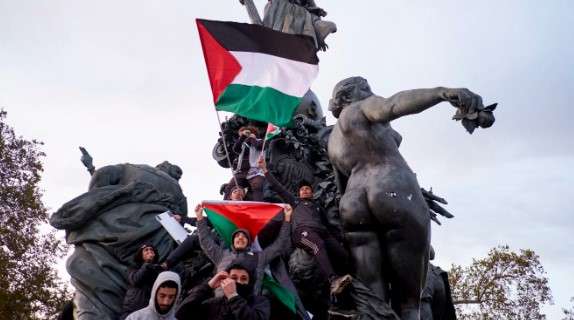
column 235, row 290
column 234, row 286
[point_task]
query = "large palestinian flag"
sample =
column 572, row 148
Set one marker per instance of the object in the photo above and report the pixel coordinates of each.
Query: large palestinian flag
column 257, row 72
column 259, row 218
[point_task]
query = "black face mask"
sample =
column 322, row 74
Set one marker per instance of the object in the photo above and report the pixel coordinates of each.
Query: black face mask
column 244, row 290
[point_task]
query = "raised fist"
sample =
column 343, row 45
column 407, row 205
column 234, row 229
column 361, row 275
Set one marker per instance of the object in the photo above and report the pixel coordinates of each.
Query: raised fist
column 199, row 212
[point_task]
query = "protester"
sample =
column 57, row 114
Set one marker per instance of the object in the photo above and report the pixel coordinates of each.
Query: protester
column 141, row 279
column 309, row 229
column 246, row 173
column 192, row 241
column 241, row 246
column 164, row 294
column 237, row 303
column 237, row 193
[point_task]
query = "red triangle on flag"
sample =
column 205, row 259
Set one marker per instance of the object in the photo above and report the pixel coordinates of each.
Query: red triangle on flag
column 222, row 67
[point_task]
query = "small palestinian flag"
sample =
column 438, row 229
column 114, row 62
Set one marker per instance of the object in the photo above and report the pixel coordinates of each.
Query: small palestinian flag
column 272, row 131
column 259, row 218
column 257, row 72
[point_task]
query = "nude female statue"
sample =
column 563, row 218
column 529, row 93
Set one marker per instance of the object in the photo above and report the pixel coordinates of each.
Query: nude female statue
column 384, row 214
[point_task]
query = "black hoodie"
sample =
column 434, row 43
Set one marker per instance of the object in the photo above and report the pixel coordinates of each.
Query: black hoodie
column 201, row 303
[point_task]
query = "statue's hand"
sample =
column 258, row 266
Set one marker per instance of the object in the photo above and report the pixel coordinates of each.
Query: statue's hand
column 316, row 11
column 86, row 158
column 463, row 99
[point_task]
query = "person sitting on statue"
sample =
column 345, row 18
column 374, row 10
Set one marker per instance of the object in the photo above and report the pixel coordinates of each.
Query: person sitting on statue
column 237, row 303
column 310, row 232
column 141, row 279
column 241, row 246
column 164, row 295
column 246, row 173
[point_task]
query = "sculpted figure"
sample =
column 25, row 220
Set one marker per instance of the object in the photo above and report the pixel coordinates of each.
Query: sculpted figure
column 384, row 214
column 436, row 299
column 295, row 17
column 108, row 224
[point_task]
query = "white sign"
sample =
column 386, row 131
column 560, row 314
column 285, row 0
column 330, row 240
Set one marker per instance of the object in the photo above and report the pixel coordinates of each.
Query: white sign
column 175, row 230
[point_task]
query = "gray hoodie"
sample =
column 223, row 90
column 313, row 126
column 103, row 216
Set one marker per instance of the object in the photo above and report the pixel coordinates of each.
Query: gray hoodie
column 150, row 312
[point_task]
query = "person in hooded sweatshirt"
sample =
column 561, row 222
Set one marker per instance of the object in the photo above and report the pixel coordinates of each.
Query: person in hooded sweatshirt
column 191, row 242
column 241, row 246
column 164, row 294
column 141, row 279
column 237, row 303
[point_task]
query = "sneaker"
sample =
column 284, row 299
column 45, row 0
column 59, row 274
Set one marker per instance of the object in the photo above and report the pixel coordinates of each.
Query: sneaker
column 338, row 285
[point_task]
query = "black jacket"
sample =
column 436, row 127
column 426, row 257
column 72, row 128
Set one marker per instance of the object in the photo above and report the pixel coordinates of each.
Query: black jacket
column 201, row 304
column 140, row 284
column 306, row 213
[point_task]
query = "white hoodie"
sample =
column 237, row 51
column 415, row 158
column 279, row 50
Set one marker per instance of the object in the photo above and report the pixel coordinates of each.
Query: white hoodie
column 150, row 312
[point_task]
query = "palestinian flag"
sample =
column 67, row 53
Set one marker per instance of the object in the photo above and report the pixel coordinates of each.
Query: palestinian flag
column 259, row 218
column 227, row 216
column 272, row 131
column 257, row 72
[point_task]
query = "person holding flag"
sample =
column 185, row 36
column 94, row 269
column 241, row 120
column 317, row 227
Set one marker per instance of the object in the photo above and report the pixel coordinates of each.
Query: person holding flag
column 241, row 243
column 247, row 173
column 246, row 227
column 248, row 149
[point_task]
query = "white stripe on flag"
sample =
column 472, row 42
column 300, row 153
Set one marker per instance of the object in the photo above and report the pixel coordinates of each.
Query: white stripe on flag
column 291, row 77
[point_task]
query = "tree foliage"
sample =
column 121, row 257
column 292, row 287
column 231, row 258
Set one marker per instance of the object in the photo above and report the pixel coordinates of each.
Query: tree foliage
column 503, row 285
column 29, row 285
column 569, row 313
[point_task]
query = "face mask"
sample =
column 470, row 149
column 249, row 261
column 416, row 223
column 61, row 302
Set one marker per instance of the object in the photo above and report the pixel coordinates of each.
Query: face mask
column 244, row 290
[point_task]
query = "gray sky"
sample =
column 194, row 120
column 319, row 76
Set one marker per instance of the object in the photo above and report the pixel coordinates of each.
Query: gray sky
column 126, row 79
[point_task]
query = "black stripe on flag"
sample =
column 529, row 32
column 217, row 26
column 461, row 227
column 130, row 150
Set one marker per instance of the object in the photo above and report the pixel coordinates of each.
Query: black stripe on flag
column 245, row 37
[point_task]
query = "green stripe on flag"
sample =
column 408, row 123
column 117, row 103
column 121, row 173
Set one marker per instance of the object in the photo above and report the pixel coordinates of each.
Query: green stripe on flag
column 221, row 224
column 284, row 295
column 263, row 104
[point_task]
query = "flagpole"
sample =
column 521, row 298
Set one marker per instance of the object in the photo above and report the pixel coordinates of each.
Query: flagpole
column 264, row 140
column 225, row 147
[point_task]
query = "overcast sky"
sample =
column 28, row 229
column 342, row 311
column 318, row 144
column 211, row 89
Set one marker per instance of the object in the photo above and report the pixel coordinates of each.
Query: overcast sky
column 126, row 79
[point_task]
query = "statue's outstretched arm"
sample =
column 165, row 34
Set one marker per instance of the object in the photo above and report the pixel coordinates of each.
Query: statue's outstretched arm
column 414, row 101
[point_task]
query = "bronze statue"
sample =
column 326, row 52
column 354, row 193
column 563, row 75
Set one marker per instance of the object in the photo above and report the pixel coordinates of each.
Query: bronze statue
column 295, row 17
column 108, row 223
column 436, row 299
column 384, row 214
